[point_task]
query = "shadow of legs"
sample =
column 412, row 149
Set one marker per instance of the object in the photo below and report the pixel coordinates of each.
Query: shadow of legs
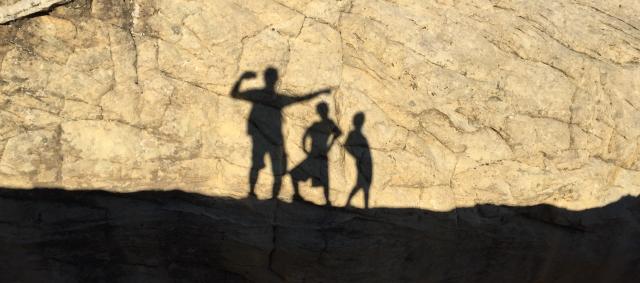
column 253, row 179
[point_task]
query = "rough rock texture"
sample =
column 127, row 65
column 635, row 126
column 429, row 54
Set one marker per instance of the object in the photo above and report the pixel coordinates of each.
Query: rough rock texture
column 14, row 9
column 504, row 102
column 467, row 102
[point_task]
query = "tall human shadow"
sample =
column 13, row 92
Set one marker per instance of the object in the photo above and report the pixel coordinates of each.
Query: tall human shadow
column 358, row 147
column 264, row 125
column 323, row 135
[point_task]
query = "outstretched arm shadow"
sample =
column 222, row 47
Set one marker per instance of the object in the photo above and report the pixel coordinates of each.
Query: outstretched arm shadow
column 288, row 100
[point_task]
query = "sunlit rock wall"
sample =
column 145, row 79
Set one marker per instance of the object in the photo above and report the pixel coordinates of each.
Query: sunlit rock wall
column 466, row 102
column 13, row 9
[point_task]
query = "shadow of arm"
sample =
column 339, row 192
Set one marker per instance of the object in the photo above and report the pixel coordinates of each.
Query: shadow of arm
column 336, row 134
column 288, row 100
column 304, row 141
column 235, row 91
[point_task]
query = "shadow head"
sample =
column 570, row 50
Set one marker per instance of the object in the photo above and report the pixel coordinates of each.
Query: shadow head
column 270, row 77
column 358, row 120
column 323, row 110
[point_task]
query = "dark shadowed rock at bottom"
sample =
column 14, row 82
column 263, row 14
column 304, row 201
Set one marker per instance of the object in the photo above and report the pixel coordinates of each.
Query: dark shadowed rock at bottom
column 51, row 235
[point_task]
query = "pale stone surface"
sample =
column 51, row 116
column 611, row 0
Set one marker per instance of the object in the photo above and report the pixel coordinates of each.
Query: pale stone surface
column 466, row 102
column 504, row 136
column 13, row 9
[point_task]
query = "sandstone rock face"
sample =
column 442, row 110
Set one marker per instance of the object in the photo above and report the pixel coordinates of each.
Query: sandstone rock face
column 13, row 9
column 465, row 102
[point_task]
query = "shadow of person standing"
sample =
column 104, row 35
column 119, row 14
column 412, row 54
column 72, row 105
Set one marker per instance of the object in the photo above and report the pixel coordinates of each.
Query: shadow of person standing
column 323, row 135
column 358, row 147
column 264, row 125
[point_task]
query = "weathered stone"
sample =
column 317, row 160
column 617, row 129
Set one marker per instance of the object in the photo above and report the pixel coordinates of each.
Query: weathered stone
column 13, row 9
column 465, row 103
column 445, row 91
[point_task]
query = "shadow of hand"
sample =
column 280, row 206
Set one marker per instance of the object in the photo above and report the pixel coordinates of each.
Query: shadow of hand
column 249, row 75
column 326, row 91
